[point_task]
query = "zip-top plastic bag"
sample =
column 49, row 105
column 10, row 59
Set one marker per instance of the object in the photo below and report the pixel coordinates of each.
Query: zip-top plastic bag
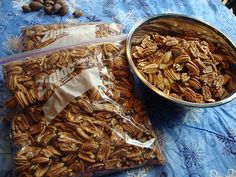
column 55, row 35
column 79, row 115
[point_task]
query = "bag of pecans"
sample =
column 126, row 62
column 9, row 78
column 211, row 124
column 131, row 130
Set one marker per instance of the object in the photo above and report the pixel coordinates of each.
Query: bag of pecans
column 56, row 35
column 79, row 115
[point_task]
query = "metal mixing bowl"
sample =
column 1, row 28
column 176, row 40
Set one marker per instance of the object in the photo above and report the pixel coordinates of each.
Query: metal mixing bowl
column 179, row 24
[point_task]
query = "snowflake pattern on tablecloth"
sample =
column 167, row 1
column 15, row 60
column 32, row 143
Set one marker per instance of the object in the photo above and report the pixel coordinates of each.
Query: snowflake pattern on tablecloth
column 229, row 142
column 192, row 153
column 13, row 44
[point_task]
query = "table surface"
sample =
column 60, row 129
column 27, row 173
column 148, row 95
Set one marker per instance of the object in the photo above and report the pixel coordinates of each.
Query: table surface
column 195, row 142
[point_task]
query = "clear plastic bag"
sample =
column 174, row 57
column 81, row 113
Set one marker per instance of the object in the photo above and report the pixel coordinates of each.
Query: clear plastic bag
column 55, row 35
column 79, row 115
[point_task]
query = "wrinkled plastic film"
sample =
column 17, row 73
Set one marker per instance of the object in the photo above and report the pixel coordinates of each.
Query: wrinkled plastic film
column 17, row 58
column 87, row 32
column 57, row 35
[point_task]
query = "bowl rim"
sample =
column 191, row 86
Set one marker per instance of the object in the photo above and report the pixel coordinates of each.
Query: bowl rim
column 153, row 88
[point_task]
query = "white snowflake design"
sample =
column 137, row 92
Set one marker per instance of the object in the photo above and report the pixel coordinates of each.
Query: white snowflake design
column 17, row 4
column 13, row 44
column 125, row 18
column 139, row 172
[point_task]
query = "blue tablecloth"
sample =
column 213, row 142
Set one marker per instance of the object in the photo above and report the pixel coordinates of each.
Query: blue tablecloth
column 195, row 142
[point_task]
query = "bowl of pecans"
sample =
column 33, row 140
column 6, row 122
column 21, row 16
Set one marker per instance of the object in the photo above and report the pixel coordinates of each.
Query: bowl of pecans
column 183, row 60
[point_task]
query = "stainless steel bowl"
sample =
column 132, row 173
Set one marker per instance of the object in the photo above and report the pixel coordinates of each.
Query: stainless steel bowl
column 179, row 24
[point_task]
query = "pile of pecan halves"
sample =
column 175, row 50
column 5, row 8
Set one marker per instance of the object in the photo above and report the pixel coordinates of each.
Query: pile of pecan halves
column 186, row 68
column 103, row 130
